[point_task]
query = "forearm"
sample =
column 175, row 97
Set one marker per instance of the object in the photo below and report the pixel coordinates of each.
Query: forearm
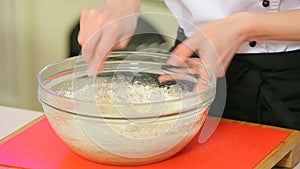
column 272, row 26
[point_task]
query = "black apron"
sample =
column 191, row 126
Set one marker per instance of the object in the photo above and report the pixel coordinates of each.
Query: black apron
column 263, row 88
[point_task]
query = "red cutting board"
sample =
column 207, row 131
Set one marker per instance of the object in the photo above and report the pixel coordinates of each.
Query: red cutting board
column 231, row 146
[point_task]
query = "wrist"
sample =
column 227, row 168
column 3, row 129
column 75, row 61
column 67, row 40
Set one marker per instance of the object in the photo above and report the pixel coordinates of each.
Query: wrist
column 246, row 26
column 255, row 26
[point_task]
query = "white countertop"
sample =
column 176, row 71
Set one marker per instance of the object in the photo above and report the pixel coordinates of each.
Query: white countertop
column 12, row 119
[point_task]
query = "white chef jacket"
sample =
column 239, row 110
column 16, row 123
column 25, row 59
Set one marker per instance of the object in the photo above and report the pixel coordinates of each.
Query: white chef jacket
column 195, row 13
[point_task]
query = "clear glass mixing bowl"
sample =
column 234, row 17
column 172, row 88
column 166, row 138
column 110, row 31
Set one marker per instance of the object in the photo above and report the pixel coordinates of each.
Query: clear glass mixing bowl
column 125, row 115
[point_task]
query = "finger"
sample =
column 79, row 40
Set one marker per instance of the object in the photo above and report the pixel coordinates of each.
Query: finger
column 198, row 60
column 191, row 67
column 104, row 46
column 101, row 64
column 166, row 78
column 90, row 31
column 201, row 69
column 182, row 73
column 81, row 34
column 180, row 54
column 88, row 50
column 195, row 71
column 198, row 84
column 185, row 50
column 122, row 43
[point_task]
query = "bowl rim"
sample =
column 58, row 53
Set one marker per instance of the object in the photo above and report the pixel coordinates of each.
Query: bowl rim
column 115, row 54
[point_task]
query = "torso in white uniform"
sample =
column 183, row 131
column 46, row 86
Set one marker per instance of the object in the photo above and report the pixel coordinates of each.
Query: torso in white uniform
column 199, row 12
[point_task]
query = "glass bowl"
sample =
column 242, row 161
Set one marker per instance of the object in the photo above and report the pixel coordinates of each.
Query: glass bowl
column 126, row 115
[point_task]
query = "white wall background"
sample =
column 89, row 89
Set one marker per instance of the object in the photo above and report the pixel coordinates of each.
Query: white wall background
column 34, row 33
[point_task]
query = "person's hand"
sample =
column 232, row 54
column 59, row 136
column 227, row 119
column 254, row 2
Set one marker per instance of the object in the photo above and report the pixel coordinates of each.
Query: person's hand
column 216, row 42
column 105, row 28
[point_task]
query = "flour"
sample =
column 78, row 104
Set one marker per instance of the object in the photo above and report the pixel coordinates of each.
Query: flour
column 125, row 93
column 124, row 134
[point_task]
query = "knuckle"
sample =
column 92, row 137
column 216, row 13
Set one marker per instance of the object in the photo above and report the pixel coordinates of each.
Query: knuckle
column 84, row 13
column 87, row 49
column 80, row 39
column 86, row 58
column 121, row 44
